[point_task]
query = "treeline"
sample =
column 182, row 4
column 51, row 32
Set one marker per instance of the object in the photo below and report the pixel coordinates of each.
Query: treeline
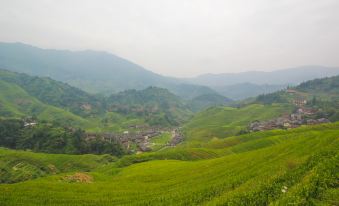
column 329, row 84
column 51, row 139
column 328, row 109
column 276, row 97
column 56, row 93
column 156, row 106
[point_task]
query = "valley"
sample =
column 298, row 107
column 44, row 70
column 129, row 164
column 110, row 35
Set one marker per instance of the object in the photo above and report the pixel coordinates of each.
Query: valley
column 61, row 145
column 169, row 103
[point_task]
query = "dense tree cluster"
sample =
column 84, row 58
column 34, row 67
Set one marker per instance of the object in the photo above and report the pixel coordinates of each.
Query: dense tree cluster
column 52, row 139
column 56, row 93
column 156, row 105
column 330, row 84
column 271, row 98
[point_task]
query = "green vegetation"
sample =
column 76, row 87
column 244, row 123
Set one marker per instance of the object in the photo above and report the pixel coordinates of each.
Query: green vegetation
column 51, row 139
column 160, row 141
column 17, row 166
column 219, row 161
column 220, row 122
column 202, row 102
column 15, row 102
column 321, row 94
column 326, row 88
column 91, row 71
column 56, row 93
column 276, row 167
column 23, row 95
column 157, row 106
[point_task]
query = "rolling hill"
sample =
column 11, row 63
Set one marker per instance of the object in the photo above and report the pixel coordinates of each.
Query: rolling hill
column 15, row 102
column 320, row 94
column 221, row 122
column 156, row 105
column 279, row 168
column 218, row 160
column 245, row 90
column 239, row 86
column 325, row 88
column 205, row 101
column 41, row 96
column 56, row 93
column 92, row 71
column 292, row 76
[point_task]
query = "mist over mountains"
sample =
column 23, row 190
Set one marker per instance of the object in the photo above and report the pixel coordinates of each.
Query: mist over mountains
column 249, row 84
column 92, row 71
column 105, row 73
column 279, row 77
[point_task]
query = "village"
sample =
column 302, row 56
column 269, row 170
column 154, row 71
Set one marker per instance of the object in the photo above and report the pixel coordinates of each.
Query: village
column 138, row 139
column 302, row 116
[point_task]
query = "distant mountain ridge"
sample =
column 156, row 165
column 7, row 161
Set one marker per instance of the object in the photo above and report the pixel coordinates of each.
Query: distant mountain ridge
column 92, row 71
column 105, row 73
column 245, row 90
column 284, row 76
column 250, row 84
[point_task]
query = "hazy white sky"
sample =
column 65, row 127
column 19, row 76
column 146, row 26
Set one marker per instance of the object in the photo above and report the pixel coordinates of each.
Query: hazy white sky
column 183, row 37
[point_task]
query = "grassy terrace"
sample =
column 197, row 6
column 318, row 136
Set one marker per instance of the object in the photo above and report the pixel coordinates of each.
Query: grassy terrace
column 220, row 122
column 160, row 141
column 251, row 169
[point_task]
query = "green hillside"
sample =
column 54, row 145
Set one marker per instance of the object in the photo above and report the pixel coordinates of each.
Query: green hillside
column 205, row 101
column 246, row 90
column 50, row 138
column 220, row 122
column 215, row 160
column 321, row 94
column 297, row 167
column 56, row 93
column 15, row 102
column 91, row 71
column 326, row 88
column 156, row 105
column 17, row 166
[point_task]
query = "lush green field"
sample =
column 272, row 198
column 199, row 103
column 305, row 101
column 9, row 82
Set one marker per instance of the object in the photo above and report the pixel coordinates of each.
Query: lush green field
column 160, row 141
column 17, row 166
column 218, row 163
column 220, row 122
column 297, row 167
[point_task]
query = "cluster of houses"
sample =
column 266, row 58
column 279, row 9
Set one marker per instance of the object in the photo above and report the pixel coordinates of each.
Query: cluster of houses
column 301, row 117
column 139, row 138
column 128, row 138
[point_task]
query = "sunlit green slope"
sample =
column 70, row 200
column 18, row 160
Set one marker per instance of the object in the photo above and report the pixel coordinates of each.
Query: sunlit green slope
column 220, row 122
column 15, row 102
column 17, row 166
column 296, row 167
